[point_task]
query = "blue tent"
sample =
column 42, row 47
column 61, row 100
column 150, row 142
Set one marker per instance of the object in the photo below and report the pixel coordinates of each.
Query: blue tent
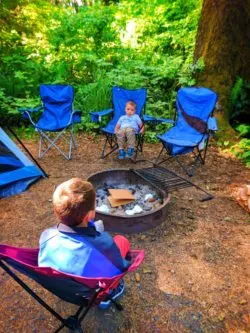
column 17, row 172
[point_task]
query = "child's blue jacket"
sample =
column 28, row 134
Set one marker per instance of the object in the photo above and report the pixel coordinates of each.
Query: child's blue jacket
column 80, row 251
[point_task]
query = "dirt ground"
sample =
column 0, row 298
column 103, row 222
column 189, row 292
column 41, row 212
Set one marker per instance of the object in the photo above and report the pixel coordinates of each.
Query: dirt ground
column 195, row 277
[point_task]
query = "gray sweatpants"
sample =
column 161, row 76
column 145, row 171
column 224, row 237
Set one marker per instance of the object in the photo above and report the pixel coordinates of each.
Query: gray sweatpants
column 124, row 134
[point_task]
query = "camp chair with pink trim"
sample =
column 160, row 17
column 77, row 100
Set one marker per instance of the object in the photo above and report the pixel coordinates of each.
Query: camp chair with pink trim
column 85, row 292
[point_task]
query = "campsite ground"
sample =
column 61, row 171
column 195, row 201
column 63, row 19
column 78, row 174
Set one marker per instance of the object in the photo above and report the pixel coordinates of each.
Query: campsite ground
column 195, row 277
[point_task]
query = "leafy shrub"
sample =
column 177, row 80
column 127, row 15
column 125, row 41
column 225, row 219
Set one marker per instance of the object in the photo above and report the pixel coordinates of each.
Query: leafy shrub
column 130, row 44
column 240, row 99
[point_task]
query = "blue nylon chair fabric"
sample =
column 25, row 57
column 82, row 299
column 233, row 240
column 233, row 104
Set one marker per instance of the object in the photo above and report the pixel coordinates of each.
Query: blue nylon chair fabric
column 197, row 102
column 120, row 97
column 17, row 172
column 58, row 107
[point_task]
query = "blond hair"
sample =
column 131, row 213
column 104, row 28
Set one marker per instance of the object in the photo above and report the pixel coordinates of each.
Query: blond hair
column 132, row 103
column 72, row 200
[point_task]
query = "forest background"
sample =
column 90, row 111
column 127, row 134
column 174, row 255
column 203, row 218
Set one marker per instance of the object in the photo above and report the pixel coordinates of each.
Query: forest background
column 94, row 45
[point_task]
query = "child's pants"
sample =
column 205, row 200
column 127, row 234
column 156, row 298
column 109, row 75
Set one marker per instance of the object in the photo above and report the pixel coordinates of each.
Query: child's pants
column 123, row 244
column 126, row 133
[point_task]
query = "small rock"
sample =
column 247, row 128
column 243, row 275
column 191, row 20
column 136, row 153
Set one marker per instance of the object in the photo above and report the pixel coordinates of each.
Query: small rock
column 194, row 255
column 147, row 270
column 137, row 277
column 243, row 301
column 228, row 218
column 221, row 317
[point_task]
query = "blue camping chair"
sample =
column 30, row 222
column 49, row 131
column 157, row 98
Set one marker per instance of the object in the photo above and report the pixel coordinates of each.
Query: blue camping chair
column 57, row 119
column 120, row 97
column 194, row 125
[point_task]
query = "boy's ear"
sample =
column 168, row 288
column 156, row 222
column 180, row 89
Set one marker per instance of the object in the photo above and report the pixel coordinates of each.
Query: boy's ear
column 89, row 216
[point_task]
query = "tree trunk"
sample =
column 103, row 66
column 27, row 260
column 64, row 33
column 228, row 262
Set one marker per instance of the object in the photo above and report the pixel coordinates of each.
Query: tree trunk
column 223, row 40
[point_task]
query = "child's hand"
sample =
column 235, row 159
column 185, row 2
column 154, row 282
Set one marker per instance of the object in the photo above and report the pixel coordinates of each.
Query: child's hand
column 142, row 130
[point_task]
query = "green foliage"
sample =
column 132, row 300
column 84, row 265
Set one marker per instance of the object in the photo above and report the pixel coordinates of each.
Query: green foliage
column 240, row 103
column 127, row 43
column 242, row 150
column 240, row 106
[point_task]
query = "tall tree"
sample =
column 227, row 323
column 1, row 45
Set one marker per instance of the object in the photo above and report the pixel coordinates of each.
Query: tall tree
column 223, row 40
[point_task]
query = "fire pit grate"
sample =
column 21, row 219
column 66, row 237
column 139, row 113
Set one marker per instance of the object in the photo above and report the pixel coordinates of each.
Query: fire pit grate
column 167, row 180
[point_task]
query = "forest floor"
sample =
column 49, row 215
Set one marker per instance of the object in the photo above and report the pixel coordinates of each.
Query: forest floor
column 195, row 276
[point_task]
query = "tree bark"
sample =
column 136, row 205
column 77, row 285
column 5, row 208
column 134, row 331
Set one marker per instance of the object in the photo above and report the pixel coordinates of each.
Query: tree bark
column 223, row 40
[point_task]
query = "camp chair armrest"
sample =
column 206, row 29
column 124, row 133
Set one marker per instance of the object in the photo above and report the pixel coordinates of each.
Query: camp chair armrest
column 97, row 116
column 30, row 110
column 26, row 113
column 212, row 124
column 148, row 119
column 76, row 116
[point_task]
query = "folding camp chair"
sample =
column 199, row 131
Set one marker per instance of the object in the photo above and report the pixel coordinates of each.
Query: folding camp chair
column 85, row 292
column 194, row 126
column 57, row 119
column 120, row 97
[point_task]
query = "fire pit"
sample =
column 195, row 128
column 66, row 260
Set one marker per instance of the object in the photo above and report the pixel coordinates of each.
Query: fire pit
column 123, row 223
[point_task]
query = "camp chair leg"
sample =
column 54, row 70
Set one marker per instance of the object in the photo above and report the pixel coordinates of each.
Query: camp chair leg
column 111, row 142
column 140, row 141
column 44, row 138
column 190, row 171
column 30, row 291
column 198, row 158
column 205, row 151
column 164, row 149
column 72, row 322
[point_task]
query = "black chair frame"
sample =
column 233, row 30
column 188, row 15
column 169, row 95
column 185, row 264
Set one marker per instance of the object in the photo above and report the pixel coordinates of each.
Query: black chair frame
column 73, row 322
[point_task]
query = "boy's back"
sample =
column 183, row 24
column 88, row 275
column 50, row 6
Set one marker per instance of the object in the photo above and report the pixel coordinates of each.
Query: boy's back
column 80, row 251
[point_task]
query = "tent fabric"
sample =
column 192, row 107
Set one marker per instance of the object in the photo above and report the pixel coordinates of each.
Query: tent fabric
column 17, row 172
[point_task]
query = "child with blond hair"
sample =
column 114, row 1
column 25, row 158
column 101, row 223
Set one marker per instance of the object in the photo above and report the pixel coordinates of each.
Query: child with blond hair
column 75, row 245
column 126, row 129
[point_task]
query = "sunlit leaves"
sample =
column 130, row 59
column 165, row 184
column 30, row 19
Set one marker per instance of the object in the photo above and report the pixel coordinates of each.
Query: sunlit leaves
column 132, row 44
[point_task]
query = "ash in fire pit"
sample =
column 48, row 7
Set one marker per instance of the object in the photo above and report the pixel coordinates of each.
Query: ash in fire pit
column 115, row 219
column 146, row 199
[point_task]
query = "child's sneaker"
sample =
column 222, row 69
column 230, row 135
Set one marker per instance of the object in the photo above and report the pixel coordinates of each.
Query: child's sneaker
column 121, row 154
column 130, row 152
column 114, row 294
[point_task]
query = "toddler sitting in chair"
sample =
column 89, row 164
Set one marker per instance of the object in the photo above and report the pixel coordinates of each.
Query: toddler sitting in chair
column 74, row 245
column 126, row 129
